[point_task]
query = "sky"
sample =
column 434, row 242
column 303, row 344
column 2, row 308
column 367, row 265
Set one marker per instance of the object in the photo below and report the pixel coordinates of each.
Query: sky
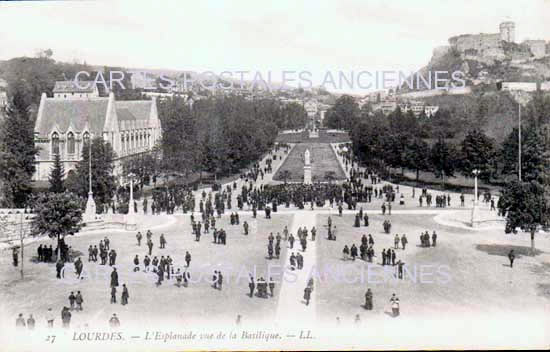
column 258, row 36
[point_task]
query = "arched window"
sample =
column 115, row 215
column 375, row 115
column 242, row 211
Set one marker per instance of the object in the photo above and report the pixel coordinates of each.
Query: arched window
column 70, row 143
column 86, row 137
column 122, row 146
column 55, row 143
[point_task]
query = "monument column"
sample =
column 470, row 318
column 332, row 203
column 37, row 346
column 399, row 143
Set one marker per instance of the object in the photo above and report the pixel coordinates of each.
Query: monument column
column 131, row 216
column 307, row 168
column 475, row 210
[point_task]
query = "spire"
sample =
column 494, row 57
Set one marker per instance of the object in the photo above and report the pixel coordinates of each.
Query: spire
column 40, row 111
column 111, row 120
column 153, row 114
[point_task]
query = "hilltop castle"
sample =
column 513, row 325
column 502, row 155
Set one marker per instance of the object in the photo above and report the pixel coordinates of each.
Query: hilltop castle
column 492, row 44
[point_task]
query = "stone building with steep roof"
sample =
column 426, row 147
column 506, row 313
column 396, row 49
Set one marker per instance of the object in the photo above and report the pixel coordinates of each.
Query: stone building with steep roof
column 74, row 90
column 63, row 125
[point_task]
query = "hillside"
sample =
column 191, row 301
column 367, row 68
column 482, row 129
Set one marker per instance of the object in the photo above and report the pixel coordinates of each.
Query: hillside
column 494, row 112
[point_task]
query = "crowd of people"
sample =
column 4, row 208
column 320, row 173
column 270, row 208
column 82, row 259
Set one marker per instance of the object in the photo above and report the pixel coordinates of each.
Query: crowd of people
column 207, row 207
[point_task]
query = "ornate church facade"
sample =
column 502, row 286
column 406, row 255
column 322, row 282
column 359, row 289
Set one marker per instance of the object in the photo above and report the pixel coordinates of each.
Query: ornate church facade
column 66, row 122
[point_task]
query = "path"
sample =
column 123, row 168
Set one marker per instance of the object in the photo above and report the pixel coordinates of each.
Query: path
column 291, row 308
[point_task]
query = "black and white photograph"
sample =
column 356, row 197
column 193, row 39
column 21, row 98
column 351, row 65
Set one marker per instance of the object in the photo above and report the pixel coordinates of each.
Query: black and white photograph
column 274, row 175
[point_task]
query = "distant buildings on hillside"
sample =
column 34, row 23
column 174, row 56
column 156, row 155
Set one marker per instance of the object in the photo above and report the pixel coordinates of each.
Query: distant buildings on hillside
column 75, row 90
column 387, row 102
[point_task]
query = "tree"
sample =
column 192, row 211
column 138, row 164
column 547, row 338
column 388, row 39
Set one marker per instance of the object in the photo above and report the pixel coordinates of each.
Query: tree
column 103, row 181
column 37, row 75
column 443, row 159
column 56, row 176
column 218, row 134
column 534, row 155
column 476, row 153
column 143, row 165
column 343, row 115
column 56, row 215
column 526, row 207
column 508, row 155
column 17, row 151
column 417, row 156
column 368, row 138
column 534, row 149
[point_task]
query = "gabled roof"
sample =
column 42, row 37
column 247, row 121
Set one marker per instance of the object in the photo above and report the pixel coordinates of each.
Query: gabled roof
column 140, row 109
column 63, row 112
column 125, row 115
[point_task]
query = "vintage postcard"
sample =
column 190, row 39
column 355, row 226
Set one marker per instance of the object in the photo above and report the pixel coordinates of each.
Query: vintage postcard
column 274, row 175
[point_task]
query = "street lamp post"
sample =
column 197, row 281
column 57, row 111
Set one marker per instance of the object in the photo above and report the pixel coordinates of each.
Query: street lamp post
column 519, row 142
column 90, row 212
column 475, row 210
column 131, row 216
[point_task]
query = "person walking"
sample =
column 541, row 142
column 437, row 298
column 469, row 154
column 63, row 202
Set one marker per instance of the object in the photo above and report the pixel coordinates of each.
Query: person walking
column 20, row 321
column 404, row 241
column 79, row 300
column 394, row 301
column 307, row 294
column 114, row 322
column 368, row 299
column 31, row 322
column 50, row 317
column 125, row 295
column 113, row 294
column 511, row 257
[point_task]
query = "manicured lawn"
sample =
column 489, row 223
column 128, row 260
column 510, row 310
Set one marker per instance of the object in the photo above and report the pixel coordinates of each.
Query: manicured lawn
column 322, row 158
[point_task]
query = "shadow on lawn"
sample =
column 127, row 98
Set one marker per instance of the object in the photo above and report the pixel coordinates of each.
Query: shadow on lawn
column 74, row 255
column 504, row 249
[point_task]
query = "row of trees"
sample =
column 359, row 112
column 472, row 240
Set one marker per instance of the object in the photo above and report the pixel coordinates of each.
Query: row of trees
column 399, row 141
column 17, row 150
column 221, row 135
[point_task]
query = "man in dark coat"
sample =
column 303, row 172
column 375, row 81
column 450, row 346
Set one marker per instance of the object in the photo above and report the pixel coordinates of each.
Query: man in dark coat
column 79, row 300
column 251, row 285
column 187, row 258
column 150, row 245
column 15, row 255
column 307, row 294
column 511, row 257
column 125, row 295
column 59, row 267
column 114, row 278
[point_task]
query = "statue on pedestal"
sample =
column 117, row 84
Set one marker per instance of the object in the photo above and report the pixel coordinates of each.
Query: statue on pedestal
column 307, row 168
